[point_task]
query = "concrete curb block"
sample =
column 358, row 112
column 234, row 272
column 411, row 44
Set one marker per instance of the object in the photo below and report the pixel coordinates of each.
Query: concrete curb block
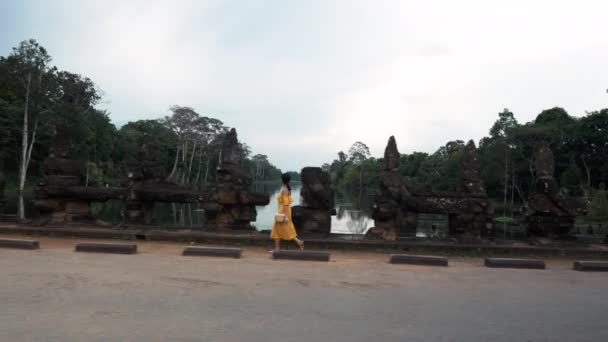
column 301, row 255
column 591, row 265
column 19, row 244
column 514, row 263
column 330, row 243
column 116, row 248
column 428, row 260
column 225, row 252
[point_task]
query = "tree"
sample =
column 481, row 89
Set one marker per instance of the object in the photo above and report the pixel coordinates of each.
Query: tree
column 182, row 122
column 598, row 208
column 571, row 178
column 262, row 170
column 506, row 121
column 358, row 153
column 442, row 169
column 28, row 65
column 555, row 116
column 589, row 142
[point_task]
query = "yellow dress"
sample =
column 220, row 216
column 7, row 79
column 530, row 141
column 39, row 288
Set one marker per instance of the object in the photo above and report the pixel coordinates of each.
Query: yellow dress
column 284, row 230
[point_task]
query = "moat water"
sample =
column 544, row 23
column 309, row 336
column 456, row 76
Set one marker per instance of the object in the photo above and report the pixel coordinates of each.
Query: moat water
column 353, row 211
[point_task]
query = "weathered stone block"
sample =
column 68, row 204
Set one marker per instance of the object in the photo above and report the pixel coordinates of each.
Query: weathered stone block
column 317, row 191
column 309, row 220
column 428, row 260
column 514, row 263
column 213, row 252
column 116, row 248
column 19, row 244
column 301, row 255
column 591, row 265
column 227, row 197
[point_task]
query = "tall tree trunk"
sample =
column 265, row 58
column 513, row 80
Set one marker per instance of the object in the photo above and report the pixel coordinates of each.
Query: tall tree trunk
column 512, row 189
column 24, row 150
column 32, row 142
column 184, row 163
column 174, row 213
column 182, row 215
column 172, row 174
column 520, row 193
column 86, row 180
column 360, row 183
column 504, row 212
column 504, row 209
column 191, row 160
column 200, row 162
column 588, row 173
column 207, row 172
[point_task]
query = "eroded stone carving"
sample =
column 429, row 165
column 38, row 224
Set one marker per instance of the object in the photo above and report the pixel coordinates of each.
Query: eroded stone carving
column 65, row 192
column 313, row 215
column 396, row 205
column 65, row 195
column 550, row 213
column 236, row 204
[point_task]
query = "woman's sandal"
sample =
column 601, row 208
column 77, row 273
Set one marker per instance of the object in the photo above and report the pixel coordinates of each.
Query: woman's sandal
column 301, row 245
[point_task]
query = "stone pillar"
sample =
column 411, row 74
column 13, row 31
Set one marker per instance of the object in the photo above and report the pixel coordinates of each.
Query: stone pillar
column 477, row 218
column 236, row 203
column 550, row 213
column 313, row 215
column 390, row 210
column 53, row 196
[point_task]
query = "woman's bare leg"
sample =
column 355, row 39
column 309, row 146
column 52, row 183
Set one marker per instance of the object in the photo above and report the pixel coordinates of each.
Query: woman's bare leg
column 300, row 243
column 277, row 244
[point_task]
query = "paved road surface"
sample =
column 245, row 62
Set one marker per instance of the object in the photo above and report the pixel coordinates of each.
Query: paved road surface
column 55, row 294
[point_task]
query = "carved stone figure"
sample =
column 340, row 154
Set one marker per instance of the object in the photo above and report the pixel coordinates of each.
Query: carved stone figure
column 471, row 179
column 313, row 215
column 57, row 195
column 236, row 204
column 550, row 213
column 391, row 155
column 397, row 205
column 65, row 192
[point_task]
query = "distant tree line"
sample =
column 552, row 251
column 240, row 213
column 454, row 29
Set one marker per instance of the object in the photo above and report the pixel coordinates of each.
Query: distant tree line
column 36, row 97
column 579, row 144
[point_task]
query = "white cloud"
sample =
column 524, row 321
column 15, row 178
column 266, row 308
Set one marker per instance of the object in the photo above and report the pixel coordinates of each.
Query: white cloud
column 302, row 80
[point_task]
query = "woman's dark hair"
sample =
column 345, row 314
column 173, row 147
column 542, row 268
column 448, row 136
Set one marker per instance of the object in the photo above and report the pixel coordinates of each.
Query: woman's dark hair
column 285, row 178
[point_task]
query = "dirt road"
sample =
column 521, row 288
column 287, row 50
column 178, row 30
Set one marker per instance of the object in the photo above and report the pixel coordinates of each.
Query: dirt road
column 55, row 294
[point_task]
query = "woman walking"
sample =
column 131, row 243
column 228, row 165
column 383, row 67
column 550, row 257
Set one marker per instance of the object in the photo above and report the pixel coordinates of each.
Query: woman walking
column 283, row 228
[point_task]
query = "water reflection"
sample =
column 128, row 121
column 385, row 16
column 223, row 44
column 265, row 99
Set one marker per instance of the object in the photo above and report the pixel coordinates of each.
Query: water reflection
column 266, row 214
column 352, row 217
column 353, row 214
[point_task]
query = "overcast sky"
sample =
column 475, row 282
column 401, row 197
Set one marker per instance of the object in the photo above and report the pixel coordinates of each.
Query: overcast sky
column 301, row 80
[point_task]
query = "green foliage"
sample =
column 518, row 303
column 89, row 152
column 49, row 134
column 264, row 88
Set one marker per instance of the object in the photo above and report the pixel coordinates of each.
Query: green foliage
column 366, row 174
column 580, row 147
column 555, row 116
column 295, row 176
column 262, row 169
column 358, row 152
column 58, row 98
column 504, row 219
column 442, row 170
column 506, row 121
column 598, row 208
column 410, row 164
column 571, row 178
